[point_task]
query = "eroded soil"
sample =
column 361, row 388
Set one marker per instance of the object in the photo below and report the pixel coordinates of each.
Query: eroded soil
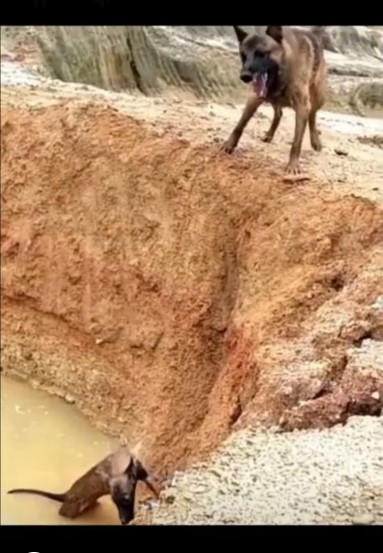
column 177, row 292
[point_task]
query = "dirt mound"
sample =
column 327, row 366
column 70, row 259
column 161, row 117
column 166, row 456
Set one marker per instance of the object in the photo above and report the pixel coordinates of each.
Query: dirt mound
column 150, row 279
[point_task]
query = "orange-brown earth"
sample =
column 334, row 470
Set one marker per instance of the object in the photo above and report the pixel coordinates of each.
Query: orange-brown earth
column 174, row 291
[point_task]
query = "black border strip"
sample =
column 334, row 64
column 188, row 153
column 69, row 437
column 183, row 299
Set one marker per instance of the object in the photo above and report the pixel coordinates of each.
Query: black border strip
column 69, row 539
column 121, row 12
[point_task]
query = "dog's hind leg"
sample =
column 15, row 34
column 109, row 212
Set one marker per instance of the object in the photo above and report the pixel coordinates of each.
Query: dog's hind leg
column 251, row 107
column 315, row 141
column 317, row 99
column 274, row 124
column 301, row 117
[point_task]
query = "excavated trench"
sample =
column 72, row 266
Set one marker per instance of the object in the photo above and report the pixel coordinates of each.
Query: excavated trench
column 174, row 292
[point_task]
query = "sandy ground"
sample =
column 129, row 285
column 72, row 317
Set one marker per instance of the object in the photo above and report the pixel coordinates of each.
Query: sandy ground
column 330, row 476
column 351, row 162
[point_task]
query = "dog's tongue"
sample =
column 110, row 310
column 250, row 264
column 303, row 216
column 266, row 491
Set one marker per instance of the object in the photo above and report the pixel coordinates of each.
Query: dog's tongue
column 260, row 84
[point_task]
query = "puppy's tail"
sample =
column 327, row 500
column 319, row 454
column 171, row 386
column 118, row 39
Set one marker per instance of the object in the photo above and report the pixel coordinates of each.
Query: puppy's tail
column 55, row 496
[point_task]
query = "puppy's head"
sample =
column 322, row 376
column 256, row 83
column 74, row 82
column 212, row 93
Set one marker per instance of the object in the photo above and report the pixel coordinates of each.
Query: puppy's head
column 123, row 489
column 262, row 57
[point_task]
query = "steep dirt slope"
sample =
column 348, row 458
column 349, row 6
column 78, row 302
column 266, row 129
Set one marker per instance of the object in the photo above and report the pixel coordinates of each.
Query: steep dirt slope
column 158, row 281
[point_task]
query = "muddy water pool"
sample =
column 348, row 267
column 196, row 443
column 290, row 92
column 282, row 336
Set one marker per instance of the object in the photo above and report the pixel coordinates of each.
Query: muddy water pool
column 46, row 444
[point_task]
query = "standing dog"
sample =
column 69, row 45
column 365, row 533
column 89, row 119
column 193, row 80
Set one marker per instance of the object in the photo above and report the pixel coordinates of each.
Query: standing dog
column 116, row 475
column 286, row 68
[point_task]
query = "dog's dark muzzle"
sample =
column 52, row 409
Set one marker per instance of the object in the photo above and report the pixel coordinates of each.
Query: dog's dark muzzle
column 126, row 514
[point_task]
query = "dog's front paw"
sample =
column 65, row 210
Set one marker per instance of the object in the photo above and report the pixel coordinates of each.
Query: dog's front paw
column 228, row 147
column 293, row 172
column 267, row 138
column 293, row 167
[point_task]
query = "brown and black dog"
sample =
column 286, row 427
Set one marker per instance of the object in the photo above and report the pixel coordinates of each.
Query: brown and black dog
column 286, row 68
column 116, row 475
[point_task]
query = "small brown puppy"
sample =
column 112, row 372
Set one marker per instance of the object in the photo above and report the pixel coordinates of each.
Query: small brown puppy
column 116, row 475
column 286, row 68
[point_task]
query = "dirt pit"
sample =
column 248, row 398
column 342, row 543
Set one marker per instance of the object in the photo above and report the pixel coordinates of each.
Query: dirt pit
column 175, row 292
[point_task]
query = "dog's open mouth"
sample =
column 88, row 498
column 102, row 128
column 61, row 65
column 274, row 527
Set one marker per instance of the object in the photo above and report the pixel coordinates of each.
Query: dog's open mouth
column 259, row 84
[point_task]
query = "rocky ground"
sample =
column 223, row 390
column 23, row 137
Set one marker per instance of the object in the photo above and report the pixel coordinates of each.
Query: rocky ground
column 331, row 476
column 189, row 61
column 278, row 315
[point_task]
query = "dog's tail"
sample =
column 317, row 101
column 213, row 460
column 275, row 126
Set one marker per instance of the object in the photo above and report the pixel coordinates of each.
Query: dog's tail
column 55, row 496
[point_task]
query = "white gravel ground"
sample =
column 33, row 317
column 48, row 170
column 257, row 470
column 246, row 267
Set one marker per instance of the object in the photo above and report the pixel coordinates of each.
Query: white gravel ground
column 331, row 476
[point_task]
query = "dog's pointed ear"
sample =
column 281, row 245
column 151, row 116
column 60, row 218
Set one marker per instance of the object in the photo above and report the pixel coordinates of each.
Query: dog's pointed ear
column 130, row 466
column 240, row 33
column 141, row 473
column 275, row 32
